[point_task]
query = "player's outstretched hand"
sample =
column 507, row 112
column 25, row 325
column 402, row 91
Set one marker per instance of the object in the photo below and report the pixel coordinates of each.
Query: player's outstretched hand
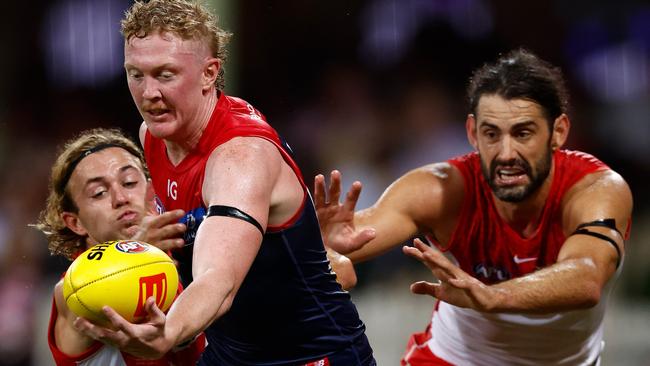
column 455, row 286
column 163, row 231
column 145, row 340
column 336, row 219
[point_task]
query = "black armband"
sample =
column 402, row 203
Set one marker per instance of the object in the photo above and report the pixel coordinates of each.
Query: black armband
column 228, row 211
column 608, row 223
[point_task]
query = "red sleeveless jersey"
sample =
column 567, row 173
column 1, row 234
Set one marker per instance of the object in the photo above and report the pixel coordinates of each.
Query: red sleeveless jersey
column 289, row 309
column 180, row 186
column 485, row 246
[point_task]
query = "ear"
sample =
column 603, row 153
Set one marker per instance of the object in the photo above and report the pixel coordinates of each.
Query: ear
column 72, row 222
column 210, row 73
column 560, row 133
column 470, row 127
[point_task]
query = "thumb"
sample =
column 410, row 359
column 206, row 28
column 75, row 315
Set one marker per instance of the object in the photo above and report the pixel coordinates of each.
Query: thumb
column 360, row 239
column 425, row 288
column 156, row 316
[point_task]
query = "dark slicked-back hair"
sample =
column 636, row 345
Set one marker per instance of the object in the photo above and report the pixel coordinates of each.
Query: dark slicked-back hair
column 521, row 75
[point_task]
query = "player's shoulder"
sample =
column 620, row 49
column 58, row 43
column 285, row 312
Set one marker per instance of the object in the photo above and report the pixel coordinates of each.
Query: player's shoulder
column 441, row 174
column 242, row 110
column 431, row 184
column 604, row 186
column 597, row 173
column 245, row 153
column 240, row 147
column 600, row 184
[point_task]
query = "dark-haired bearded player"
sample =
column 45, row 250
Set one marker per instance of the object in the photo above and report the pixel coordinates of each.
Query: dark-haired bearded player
column 535, row 233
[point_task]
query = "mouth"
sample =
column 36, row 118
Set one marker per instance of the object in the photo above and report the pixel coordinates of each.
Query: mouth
column 510, row 176
column 128, row 217
column 157, row 113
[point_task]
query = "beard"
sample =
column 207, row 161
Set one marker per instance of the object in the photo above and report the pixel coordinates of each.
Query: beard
column 536, row 174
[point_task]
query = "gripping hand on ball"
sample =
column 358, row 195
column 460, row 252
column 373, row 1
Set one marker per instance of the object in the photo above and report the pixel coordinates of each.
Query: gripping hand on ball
column 145, row 340
column 163, row 231
column 336, row 219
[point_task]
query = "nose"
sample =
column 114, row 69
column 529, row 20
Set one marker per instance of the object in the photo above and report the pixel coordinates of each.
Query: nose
column 119, row 197
column 507, row 151
column 151, row 89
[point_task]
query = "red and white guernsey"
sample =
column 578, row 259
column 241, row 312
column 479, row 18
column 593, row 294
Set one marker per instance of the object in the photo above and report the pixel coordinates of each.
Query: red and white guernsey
column 98, row 354
column 485, row 246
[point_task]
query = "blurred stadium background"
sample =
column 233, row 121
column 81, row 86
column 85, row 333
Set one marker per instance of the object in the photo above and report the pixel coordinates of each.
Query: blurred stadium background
column 373, row 88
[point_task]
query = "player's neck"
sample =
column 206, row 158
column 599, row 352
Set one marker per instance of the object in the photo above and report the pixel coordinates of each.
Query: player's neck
column 524, row 216
column 178, row 149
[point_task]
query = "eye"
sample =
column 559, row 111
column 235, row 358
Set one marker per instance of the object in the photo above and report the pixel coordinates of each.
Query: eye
column 490, row 134
column 523, row 134
column 135, row 75
column 166, row 75
column 99, row 193
column 130, row 183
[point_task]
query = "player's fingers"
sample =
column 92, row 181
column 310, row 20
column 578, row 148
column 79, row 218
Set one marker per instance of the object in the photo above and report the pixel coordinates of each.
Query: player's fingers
column 171, row 230
column 441, row 263
column 352, row 196
column 319, row 191
column 416, row 253
column 167, row 244
column 335, row 187
column 425, row 288
column 422, row 246
column 117, row 320
column 436, row 257
column 362, row 238
column 156, row 316
column 99, row 333
column 167, row 217
column 88, row 328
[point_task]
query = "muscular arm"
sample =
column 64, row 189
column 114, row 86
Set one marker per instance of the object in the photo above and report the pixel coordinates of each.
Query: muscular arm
column 584, row 265
column 425, row 200
column 241, row 173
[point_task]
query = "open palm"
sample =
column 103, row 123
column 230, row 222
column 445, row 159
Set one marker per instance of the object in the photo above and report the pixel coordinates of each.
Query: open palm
column 337, row 219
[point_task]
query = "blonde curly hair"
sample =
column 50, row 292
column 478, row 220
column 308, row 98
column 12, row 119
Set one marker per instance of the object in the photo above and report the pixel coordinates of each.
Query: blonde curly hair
column 62, row 240
column 186, row 19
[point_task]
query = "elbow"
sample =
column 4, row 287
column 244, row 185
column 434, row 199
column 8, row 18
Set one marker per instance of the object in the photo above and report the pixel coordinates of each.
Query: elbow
column 591, row 295
column 592, row 285
column 228, row 300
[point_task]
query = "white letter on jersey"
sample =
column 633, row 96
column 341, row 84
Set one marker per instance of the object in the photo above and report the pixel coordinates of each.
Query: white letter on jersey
column 253, row 113
column 172, row 189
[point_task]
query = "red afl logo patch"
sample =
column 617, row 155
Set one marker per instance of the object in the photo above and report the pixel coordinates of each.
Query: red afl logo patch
column 131, row 247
